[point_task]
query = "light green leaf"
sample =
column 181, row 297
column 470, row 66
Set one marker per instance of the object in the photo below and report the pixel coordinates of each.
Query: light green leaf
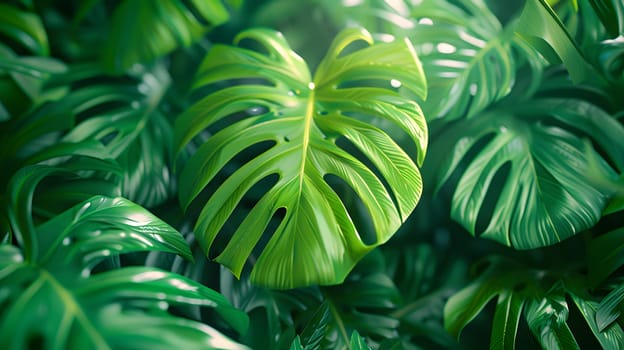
column 357, row 342
column 296, row 344
column 305, row 120
column 545, row 197
column 547, row 320
column 170, row 24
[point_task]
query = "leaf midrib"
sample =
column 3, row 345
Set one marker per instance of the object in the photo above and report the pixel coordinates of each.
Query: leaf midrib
column 76, row 310
column 307, row 129
column 72, row 307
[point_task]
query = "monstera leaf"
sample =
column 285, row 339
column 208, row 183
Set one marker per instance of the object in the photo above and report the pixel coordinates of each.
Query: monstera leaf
column 52, row 296
column 124, row 122
column 523, row 291
column 523, row 171
column 539, row 25
column 471, row 58
column 171, row 24
column 316, row 127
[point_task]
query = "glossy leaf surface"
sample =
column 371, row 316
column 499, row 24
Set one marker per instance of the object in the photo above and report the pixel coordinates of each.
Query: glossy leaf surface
column 471, row 58
column 304, row 119
column 544, row 197
column 547, row 320
column 50, row 276
column 609, row 336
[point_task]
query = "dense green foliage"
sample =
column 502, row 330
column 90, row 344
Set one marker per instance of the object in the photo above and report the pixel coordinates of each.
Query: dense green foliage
column 318, row 174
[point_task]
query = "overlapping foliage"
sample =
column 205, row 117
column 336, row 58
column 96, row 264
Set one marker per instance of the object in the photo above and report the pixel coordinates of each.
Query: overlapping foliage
column 291, row 154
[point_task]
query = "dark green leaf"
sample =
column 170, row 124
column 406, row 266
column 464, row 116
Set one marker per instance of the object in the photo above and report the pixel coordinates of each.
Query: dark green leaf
column 538, row 23
column 501, row 277
column 170, row 24
column 545, row 197
column 53, row 281
column 506, row 318
column 471, row 58
column 609, row 338
column 23, row 28
column 148, row 179
column 363, row 304
column 547, row 320
column 609, row 308
column 611, row 13
column 315, row 331
column 606, row 255
column 465, row 305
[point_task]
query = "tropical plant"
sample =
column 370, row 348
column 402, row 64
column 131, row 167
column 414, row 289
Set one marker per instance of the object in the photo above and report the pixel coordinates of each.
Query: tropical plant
column 272, row 174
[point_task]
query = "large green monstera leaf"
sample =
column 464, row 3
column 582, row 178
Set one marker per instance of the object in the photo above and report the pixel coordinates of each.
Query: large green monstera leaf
column 523, row 172
column 333, row 125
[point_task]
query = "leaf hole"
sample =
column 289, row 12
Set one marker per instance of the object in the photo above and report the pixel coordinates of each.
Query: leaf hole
column 189, row 4
column 359, row 214
column 354, row 46
column 352, row 149
column 441, row 147
column 519, row 287
column 583, row 134
column 579, row 327
column 480, row 267
column 235, row 118
column 391, row 84
column 109, row 137
column 35, row 341
column 240, row 212
column 492, row 197
column 227, row 170
column 399, row 135
column 266, row 236
column 208, row 89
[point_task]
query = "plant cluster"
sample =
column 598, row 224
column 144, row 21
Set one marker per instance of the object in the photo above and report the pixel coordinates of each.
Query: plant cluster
column 318, row 174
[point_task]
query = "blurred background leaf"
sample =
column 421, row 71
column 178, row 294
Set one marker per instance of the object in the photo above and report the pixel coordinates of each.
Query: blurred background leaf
column 170, row 24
